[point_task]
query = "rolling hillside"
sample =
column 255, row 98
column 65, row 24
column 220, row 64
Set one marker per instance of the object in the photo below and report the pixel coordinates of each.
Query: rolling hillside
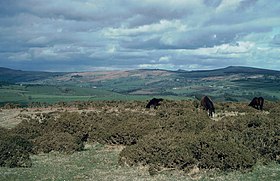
column 232, row 83
column 17, row 76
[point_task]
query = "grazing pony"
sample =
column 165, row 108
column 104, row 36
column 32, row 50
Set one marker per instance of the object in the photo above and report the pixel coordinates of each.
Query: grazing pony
column 257, row 103
column 154, row 102
column 207, row 105
column 84, row 138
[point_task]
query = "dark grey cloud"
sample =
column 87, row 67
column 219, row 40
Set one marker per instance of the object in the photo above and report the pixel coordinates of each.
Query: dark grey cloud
column 123, row 34
column 276, row 40
column 212, row 3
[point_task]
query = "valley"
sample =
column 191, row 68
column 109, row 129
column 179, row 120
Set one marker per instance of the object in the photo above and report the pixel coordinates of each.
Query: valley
column 227, row 84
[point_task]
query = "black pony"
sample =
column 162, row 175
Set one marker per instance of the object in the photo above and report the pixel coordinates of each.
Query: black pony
column 154, row 102
column 85, row 137
column 207, row 105
column 257, row 103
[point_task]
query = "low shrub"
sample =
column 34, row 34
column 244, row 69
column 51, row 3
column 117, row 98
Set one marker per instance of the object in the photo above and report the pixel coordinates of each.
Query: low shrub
column 124, row 128
column 67, row 122
column 164, row 149
column 59, row 133
column 14, row 150
column 221, row 150
column 29, row 128
column 57, row 141
column 258, row 132
column 186, row 150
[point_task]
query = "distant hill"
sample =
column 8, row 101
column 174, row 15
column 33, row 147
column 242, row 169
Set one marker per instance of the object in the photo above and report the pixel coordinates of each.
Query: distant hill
column 16, row 76
column 232, row 83
column 228, row 71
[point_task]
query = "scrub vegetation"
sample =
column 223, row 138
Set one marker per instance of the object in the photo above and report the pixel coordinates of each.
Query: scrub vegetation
column 177, row 136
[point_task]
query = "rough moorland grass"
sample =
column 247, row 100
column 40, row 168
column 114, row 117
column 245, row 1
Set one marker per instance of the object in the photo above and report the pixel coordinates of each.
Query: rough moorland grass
column 99, row 162
column 177, row 135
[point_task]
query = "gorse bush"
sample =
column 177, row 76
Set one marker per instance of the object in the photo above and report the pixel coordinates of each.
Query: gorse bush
column 264, row 137
column 221, row 150
column 259, row 132
column 72, row 123
column 189, row 138
column 14, row 150
column 186, row 150
column 119, row 126
column 62, row 133
column 178, row 134
column 57, row 141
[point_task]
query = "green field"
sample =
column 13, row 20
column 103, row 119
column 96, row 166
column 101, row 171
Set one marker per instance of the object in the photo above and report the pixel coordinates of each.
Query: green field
column 231, row 84
column 122, row 89
column 26, row 94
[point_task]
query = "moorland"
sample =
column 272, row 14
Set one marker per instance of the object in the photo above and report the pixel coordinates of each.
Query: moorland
column 43, row 118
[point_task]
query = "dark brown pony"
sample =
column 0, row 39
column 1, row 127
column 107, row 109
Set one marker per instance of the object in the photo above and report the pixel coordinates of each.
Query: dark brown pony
column 257, row 103
column 154, row 102
column 207, row 105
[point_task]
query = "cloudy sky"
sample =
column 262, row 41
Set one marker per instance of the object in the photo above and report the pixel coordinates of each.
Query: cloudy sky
column 88, row 35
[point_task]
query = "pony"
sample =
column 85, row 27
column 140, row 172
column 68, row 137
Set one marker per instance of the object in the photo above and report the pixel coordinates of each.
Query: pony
column 84, row 138
column 154, row 102
column 207, row 105
column 257, row 103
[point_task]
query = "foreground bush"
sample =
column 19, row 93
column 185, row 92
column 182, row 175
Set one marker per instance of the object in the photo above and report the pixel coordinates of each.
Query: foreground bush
column 188, row 139
column 55, row 141
column 259, row 132
column 14, row 150
column 47, row 132
column 124, row 128
column 186, row 150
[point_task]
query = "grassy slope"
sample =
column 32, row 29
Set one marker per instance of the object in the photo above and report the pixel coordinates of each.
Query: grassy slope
column 99, row 162
column 14, row 76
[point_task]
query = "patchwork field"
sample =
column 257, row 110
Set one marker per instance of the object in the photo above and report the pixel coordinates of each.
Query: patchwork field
column 231, row 84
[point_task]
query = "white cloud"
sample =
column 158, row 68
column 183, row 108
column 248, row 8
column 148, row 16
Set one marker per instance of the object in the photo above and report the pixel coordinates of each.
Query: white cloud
column 162, row 26
column 228, row 5
column 111, row 48
column 20, row 56
column 39, row 40
column 156, row 66
column 164, row 59
column 237, row 48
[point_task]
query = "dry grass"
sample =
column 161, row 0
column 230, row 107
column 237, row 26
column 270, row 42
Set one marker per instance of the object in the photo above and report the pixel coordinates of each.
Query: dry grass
column 9, row 118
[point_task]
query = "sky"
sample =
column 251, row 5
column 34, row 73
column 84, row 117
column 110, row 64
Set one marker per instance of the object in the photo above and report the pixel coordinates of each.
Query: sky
column 91, row 35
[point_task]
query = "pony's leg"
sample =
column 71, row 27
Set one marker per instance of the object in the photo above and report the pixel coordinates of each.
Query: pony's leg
column 210, row 113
